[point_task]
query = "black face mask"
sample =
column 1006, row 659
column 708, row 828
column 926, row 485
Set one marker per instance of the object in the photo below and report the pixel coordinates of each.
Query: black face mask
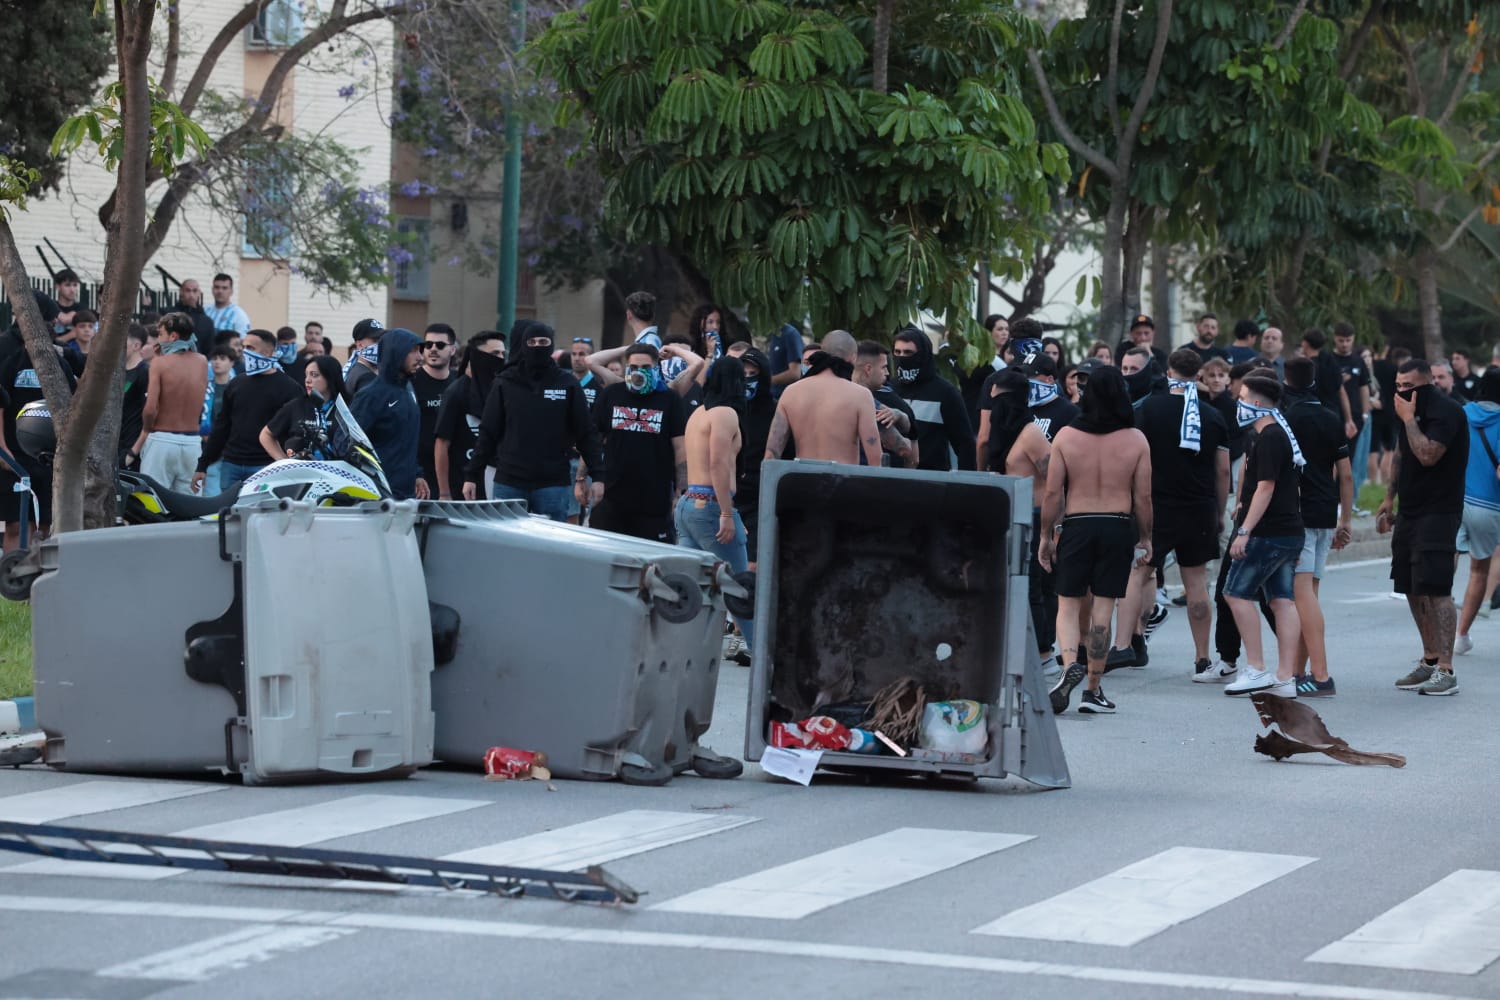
column 538, row 359
column 1139, row 383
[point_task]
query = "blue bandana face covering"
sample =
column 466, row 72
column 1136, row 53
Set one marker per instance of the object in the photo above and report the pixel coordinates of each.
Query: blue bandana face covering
column 1040, row 393
column 259, row 364
column 750, row 387
column 641, row 380
column 286, row 352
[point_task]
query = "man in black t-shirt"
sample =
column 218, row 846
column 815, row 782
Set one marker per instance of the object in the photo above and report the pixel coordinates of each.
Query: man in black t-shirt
column 1328, row 380
column 1356, row 380
column 429, row 382
column 1189, row 484
column 1465, row 378
column 1327, row 507
column 1267, row 542
column 643, row 422
column 457, row 428
column 1432, row 456
column 1383, row 421
column 1204, row 334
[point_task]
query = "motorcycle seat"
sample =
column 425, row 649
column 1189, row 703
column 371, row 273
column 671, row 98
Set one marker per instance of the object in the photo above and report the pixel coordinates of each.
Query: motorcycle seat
column 187, row 506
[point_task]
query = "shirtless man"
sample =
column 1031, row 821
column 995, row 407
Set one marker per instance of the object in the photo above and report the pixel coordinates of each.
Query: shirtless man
column 831, row 418
column 705, row 518
column 1101, row 468
column 169, row 445
column 1010, row 425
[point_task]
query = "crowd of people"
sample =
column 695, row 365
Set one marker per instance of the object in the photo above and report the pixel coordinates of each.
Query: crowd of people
column 1245, row 454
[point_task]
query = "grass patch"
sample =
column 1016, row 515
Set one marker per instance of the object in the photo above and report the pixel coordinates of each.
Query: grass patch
column 1371, row 496
column 15, row 649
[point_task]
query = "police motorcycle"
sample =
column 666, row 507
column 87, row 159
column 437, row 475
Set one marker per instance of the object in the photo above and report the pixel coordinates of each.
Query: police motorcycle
column 334, row 465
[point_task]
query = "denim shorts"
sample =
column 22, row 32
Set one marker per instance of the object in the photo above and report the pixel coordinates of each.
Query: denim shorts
column 1316, row 543
column 1265, row 568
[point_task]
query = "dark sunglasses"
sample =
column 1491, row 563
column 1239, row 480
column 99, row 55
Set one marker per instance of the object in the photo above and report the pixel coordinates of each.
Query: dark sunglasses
column 434, row 344
column 584, row 340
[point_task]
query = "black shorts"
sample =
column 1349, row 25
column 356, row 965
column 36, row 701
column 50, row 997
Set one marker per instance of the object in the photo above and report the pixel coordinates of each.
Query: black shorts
column 607, row 516
column 1095, row 553
column 1382, row 434
column 1423, row 554
column 1192, row 533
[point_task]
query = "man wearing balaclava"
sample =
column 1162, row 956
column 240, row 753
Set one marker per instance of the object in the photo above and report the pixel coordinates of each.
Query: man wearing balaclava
column 642, row 420
column 943, row 430
column 463, row 404
column 535, row 413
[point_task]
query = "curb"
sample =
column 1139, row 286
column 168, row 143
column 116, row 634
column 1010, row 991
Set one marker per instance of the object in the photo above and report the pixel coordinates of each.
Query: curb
column 17, row 715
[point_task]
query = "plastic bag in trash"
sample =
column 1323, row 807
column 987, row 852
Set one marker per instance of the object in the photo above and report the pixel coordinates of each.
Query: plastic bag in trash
column 953, row 727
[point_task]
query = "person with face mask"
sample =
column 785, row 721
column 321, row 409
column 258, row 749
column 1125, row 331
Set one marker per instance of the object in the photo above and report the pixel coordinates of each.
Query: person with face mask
column 249, row 404
column 755, row 430
column 831, row 418
column 1431, row 463
column 1141, row 378
column 388, row 411
column 462, row 405
column 642, row 421
column 535, row 414
column 943, row 430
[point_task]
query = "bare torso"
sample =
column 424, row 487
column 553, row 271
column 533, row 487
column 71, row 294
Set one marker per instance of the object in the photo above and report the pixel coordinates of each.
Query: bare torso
column 829, row 417
column 1029, row 456
column 175, row 391
column 1101, row 469
column 712, row 443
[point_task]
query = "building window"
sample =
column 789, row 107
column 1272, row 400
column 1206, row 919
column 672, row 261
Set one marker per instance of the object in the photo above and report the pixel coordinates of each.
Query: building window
column 277, row 25
column 268, row 197
column 410, row 269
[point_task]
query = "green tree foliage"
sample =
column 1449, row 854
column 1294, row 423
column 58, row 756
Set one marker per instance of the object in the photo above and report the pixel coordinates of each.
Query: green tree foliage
column 51, row 58
column 746, row 136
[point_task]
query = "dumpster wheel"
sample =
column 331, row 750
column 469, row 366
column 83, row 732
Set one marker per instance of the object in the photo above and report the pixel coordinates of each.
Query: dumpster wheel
column 653, row 775
column 16, row 576
column 685, row 603
column 707, row 764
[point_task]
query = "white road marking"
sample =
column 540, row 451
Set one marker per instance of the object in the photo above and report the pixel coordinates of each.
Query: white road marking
column 87, row 797
column 792, row 891
column 203, row 960
column 1451, row 926
column 1145, row 898
column 602, row 840
column 330, row 820
column 1358, row 564
column 636, row 940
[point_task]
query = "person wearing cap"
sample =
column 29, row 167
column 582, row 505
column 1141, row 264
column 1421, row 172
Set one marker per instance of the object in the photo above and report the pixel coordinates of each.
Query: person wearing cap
column 536, row 413
column 364, row 361
column 1142, row 334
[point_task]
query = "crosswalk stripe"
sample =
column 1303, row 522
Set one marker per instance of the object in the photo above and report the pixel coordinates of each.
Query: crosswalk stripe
column 202, row 960
column 1145, row 898
column 1451, row 926
column 794, row 890
column 602, row 840
column 88, row 797
column 342, row 817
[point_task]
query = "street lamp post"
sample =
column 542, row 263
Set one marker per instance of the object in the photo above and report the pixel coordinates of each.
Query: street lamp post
column 510, row 186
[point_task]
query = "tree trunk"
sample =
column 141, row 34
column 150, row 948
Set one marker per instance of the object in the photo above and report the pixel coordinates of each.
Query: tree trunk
column 880, row 80
column 1133, row 257
column 35, row 333
column 1430, row 310
column 1161, row 285
column 124, row 258
column 1112, row 312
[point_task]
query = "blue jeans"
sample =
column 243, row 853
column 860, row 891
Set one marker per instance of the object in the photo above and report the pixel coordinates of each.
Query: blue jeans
column 1361, row 457
column 231, row 475
column 548, row 501
column 1266, row 568
column 211, row 479
column 697, row 524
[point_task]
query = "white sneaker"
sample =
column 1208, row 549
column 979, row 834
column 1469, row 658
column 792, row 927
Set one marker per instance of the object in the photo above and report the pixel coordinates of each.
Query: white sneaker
column 1281, row 689
column 1462, row 645
column 1219, row 673
column 1251, row 679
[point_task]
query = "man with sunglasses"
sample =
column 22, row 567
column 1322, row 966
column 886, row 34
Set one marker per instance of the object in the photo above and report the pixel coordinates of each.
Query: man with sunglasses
column 429, row 382
column 578, row 356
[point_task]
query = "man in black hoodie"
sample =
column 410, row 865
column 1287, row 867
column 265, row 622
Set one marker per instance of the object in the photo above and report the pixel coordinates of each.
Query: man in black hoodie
column 755, row 430
column 190, row 303
column 535, row 414
column 249, row 404
column 458, row 415
column 943, row 428
column 387, row 411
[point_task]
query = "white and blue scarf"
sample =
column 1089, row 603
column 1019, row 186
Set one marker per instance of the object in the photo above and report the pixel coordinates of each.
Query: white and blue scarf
column 1244, row 410
column 370, row 354
column 259, row 364
column 1190, row 434
column 1040, row 393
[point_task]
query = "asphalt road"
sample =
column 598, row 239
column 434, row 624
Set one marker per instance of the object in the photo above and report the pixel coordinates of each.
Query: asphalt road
column 1180, row 864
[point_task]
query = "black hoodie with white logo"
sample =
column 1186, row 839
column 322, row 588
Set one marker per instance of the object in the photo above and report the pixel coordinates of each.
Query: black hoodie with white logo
column 532, row 420
column 942, row 419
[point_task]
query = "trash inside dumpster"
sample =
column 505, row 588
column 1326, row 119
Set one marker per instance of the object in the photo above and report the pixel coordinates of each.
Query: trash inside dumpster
column 892, row 623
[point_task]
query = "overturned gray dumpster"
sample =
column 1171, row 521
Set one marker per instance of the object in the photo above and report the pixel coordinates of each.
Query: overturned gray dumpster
column 899, row 589
column 282, row 642
column 599, row 650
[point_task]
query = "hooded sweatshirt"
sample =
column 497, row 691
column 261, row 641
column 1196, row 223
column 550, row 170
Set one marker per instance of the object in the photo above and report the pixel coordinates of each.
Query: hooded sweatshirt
column 387, row 411
column 1481, row 487
column 755, row 430
column 942, row 418
column 534, row 415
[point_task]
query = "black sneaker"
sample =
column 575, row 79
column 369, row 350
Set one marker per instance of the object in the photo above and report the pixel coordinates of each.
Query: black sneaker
column 1156, row 616
column 1094, row 703
column 1202, row 667
column 1119, row 658
column 1307, row 687
column 1063, row 689
column 1138, row 644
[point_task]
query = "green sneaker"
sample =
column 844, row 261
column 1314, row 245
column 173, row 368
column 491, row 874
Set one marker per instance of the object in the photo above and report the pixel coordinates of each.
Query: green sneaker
column 1416, row 678
column 1441, row 682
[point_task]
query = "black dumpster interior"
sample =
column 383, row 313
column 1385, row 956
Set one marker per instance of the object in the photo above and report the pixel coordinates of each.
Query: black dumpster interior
column 878, row 578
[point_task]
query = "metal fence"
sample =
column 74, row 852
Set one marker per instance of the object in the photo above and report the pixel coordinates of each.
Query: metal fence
column 147, row 299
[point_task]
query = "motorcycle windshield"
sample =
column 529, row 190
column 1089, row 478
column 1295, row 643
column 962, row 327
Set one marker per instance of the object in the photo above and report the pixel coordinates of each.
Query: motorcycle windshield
column 347, row 440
